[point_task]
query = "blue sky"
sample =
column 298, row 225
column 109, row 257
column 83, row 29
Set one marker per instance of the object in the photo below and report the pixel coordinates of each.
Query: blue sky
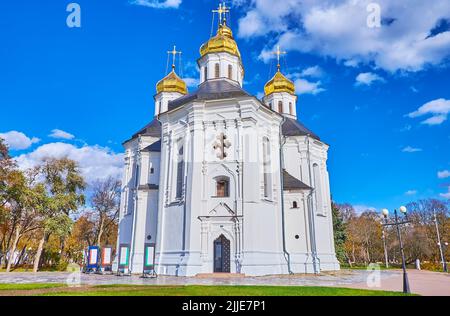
column 379, row 96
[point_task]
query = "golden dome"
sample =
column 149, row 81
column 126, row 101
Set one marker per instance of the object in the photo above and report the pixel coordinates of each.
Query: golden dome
column 171, row 83
column 222, row 42
column 279, row 83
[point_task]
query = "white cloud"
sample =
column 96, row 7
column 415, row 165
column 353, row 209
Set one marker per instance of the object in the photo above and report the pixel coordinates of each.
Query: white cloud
column 367, row 78
column 351, row 63
column 359, row 208
column 252, row 25
column 191, row 82
column 190, row 69
column 438, row 109
column 406, row 128
column 314, row 72
column 95, row 162
column 446, row 195
column 260, row 95
column 435, row 120
column 166, row 4
column 18, row 140
column 409, row 149
column 414, row 89
column 303, row 86
column 60, row 134
column 339, row 29
column 411, row 192
column 443, row 174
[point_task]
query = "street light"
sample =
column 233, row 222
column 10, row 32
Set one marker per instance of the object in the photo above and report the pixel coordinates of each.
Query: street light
column 383, row 236
column 444, row 264
column 397, row 222
column 444, row 249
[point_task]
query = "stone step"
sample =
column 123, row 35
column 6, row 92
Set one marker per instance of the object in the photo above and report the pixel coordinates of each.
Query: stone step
column 220, row 275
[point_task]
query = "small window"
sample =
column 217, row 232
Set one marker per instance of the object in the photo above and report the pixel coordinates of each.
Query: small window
column 291, row 110
column 230, row 72
column 217, row 71
column 222, row 188
column 267, row 177
column 152, row 170
column 180, row 173
column 294, row 204
column 136, row 178
column 297, row 236
column 280, row 107
column 206, row 73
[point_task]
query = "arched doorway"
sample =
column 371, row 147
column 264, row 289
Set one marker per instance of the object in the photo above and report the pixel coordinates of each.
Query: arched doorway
column 222, row 254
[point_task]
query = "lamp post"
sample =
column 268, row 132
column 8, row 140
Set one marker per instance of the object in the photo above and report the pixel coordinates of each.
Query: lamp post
column 444, row 248
column 386, row 258
column 397, row 222
column 444, row 265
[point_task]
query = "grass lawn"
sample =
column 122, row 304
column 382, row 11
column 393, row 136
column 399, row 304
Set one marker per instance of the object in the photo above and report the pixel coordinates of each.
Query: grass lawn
column 28, row 286
column 191, row 290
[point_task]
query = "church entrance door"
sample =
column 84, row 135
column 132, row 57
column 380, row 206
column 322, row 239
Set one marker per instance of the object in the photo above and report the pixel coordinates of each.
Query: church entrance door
column 221, row 254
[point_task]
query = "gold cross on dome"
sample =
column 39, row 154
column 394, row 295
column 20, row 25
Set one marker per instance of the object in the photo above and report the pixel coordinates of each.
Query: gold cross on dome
column 221, row 11
column 174, row 53
column 278, row 52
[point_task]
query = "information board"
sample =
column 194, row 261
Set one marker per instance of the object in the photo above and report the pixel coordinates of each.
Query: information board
column 149, row 262
column 124, row 256
column 106, row 256
column 92, row 258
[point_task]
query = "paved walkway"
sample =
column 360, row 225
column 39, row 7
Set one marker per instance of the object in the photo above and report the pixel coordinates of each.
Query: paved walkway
column 421, row 282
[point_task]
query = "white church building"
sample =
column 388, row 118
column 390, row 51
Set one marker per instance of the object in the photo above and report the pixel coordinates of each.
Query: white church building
column 222, row 182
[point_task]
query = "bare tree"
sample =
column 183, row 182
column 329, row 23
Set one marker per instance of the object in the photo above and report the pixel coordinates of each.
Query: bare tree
column 105, row 202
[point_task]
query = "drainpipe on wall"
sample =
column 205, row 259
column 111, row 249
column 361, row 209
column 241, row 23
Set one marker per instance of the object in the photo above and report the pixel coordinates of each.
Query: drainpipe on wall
column 161, row 203
column 184, row 195
column 135, row 206
column 282, row 143
column 312, row 226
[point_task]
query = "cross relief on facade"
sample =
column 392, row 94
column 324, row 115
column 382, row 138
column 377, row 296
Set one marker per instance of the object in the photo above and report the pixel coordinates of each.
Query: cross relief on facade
column 221, row 145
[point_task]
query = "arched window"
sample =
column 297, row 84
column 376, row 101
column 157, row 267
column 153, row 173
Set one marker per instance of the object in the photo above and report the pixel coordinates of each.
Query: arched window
column 267, row 168
column 180, row 172
column 222, row 187
column 230, row 72
column 206, row 73
column 291, row 110
column 217, row 70
column 280, row 106
column 294, row 204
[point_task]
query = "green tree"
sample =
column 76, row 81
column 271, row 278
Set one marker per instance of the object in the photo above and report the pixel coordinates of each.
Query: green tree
column 340, row 233
column 64, row 186
column 28, row 200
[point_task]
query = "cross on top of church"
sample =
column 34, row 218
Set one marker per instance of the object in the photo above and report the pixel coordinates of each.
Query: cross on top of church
column 222, row 11
column 221, row 144
column 174, row 53
column 278, row 52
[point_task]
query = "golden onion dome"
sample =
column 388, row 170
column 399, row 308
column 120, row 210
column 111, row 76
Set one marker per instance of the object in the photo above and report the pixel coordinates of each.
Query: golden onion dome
column 171, row 83
column 222, row 42
column 279, row 83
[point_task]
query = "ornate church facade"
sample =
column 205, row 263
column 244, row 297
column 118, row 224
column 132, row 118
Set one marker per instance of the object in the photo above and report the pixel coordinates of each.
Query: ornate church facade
column 221, row 181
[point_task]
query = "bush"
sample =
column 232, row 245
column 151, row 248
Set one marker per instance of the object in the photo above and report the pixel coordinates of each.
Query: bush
column 431, row 266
